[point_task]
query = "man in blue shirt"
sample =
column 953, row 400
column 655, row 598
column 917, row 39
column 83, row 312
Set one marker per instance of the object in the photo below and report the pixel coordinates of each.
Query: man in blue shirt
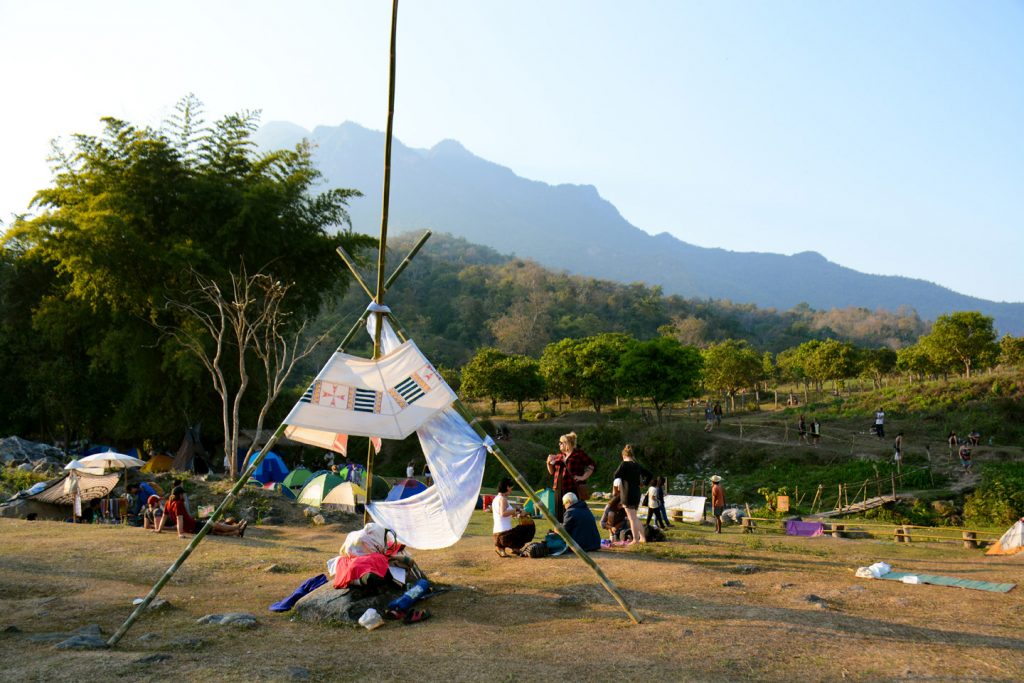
column 140, row 494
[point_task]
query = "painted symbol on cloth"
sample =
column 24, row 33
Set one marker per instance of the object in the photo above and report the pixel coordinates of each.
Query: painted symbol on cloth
column 342, row 397
column 415, row 386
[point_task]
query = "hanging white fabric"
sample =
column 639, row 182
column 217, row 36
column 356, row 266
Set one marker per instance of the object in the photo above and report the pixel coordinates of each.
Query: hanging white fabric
column 389, row 398
column 437, row 517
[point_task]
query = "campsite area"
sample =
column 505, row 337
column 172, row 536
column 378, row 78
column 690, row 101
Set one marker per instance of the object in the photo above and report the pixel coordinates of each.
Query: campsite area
column 715, row 607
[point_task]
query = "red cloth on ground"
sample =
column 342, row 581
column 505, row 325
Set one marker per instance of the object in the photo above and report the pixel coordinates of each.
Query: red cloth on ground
column 350, row 569
column 175, row 509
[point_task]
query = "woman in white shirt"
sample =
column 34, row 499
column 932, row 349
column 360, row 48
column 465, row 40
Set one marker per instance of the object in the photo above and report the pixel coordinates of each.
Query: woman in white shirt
column 506, row 534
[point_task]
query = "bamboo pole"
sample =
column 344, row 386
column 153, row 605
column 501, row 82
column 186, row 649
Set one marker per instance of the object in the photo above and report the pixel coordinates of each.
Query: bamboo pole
column 197, row 539
column 383, row 242
column 521, row 482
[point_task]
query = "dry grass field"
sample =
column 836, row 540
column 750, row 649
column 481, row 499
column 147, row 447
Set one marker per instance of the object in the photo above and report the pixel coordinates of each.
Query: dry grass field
column 515, row 619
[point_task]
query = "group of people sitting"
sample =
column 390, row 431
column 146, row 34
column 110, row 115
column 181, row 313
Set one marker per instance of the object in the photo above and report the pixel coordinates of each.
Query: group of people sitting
column 176, row 513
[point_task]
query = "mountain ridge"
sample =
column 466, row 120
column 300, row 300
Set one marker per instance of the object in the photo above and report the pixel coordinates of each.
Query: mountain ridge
column 571, row 227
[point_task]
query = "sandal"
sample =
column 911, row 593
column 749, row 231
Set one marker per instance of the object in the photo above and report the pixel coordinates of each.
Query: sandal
column 394, row 614
column 415, row 616
column 500, row 552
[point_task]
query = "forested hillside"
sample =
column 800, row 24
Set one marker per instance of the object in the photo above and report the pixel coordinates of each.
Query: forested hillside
column 457, row 297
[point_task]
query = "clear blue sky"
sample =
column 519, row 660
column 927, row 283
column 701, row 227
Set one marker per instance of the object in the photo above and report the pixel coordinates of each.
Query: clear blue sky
column 887, row 136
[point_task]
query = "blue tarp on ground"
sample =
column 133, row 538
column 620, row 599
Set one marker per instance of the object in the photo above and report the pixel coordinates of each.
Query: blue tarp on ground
column 272, row 469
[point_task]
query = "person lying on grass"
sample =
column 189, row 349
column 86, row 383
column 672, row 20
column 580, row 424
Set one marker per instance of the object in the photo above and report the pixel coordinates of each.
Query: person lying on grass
column 175, row 509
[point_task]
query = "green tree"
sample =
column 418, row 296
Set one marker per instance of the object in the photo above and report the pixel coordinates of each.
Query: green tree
column 482, row 376
column 132, row 213
column 598, row 361
column 560, row 371
column 915, row 362
column 876, row 364
column 731, row 365
column 1011, row 351
column 660, row 369
column 830, row 360
column 520, row 381
column 966, row 339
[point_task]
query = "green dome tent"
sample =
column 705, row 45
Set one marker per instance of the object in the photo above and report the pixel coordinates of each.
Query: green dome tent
column 317, row 488
column 297, row 478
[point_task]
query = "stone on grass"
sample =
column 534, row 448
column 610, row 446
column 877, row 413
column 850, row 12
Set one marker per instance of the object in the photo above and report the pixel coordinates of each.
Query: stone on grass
column 816, row 600
column 732, row 584
column 11, row 629
column 298, row 673
column 318, row 520
column 186, row 643
column 158, row 604
column 152, row 659
column 745, row 569
column 236, row 619
column 345, row 606
column 82, row 642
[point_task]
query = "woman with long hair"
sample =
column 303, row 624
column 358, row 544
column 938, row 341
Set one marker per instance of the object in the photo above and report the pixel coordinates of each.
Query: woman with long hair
column 632, row 474
column 176, row 510
column 509, row 536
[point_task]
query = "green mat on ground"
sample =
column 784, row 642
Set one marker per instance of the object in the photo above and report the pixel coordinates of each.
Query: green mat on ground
column 954, row 582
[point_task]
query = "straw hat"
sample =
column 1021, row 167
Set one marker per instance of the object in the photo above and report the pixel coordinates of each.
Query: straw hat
column 715, row 479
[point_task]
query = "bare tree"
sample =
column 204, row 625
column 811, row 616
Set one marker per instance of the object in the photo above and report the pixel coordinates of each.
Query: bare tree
column 250, row 319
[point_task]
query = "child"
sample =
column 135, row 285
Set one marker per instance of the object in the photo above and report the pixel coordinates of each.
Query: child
column 662, row 484
column 151, row 513
column 653, row 504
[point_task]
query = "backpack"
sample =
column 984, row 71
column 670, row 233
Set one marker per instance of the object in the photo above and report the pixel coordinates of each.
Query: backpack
column 554, row 543
column 653, row 534
column 535, row 549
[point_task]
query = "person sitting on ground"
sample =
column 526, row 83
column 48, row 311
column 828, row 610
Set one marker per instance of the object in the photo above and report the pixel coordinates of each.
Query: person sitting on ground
column 175, row 513
column 614, row 520
column 506, row 534
column 975, row 437
column 140, row 494
column 175, row 484
column 580, row 524
column 152, row 513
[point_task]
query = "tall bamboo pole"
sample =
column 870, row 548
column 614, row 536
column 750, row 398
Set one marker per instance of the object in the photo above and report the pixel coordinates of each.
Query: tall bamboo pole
column 383, row 242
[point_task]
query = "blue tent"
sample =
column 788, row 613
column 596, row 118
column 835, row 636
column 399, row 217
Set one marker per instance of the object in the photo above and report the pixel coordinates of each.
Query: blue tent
column 271, row 469
column 406, row 488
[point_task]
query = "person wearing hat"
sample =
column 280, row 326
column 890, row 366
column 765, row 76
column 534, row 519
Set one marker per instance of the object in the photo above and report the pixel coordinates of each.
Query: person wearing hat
column 717, row 501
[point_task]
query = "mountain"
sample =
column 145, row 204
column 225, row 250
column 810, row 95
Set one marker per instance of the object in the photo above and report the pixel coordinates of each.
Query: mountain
column 571, row 227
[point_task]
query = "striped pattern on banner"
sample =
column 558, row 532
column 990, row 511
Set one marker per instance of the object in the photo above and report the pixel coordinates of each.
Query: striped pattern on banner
column 367, row 401
column 409, row 390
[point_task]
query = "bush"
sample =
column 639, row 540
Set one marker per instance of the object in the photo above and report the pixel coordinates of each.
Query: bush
column 999, row 500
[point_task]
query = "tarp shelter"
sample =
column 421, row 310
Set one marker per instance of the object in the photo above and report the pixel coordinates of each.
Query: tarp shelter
column 1012, row 542
column 405, row 488
column 90, row 486
column 191, row 455
column 692, row 507
column 160, row 462
column 547, row 496
column 297, row 478
column 347, row 497
column 316, row 488
column 271, row 469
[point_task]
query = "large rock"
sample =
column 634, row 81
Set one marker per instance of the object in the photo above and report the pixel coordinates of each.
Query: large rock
column 236, row 619
column 26, row 509
column 332, row 606
column 15, row 450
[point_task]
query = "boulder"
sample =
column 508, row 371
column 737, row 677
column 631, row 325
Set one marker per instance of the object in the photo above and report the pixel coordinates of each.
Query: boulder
column 332, row 606
column 236, row 619
column 15, row 450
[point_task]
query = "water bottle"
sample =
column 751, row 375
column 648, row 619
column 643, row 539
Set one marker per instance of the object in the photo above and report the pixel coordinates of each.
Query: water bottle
column 371, row 619
column 410, row 597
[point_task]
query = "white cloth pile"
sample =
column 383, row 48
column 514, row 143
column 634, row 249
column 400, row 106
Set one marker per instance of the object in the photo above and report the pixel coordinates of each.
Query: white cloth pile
column 876, row 571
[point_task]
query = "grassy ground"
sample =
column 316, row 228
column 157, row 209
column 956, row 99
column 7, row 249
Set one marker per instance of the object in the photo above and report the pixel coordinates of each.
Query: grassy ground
column 518, row 619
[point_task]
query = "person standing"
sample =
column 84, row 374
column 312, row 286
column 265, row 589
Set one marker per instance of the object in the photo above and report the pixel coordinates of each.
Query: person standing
column 897, row 450
column 653, row 504
column 717, row 501
column 717, row 410
column 662, row 488
column 709, row 417
column 954, row 444
column 880, row 424
column 632, row 474
column 802, row 428
column 410, row 470
column 965, row 456
column 569, row 468
column 815, row 431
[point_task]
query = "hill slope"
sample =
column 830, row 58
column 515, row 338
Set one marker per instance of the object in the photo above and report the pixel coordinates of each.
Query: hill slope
column 571, row 227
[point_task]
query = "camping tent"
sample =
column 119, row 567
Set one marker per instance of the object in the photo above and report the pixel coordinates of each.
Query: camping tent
column 346, row 496
column 191, row 455
column 1012, row 542
column 270, row 469
column 547, row 496
column 297, row 478
column 160, row 462
column 405, row 488
column 280, row 488
column 316, row 488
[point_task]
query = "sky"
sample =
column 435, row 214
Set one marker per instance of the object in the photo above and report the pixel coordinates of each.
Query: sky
column 887, row 136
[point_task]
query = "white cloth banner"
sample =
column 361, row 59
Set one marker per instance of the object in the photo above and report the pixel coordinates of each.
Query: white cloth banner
column 436, row 518
column 691, row 506
column 389, row 398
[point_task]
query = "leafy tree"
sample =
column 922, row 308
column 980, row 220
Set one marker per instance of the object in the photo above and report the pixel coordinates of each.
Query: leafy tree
column 915, row 362
column 482, row 376
column 131, row 214
column 660, row 369
column 830, row 360
column 1011, row 351
column 964, row 338
column 520, row 380
column 598, row 361
column 731, row 365
column 876, row 364
column 560, row 371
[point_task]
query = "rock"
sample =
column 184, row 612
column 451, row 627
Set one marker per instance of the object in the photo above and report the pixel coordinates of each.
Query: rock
column 318, row 520
column 817, row 600
column 25, row 467
column 146, row 637
column 783, row 586
column 15, row 450
column 90, row 630
column 237, row 619
column 158, row 604
column 345, row 606
column 298, row 673
column 152, row 659
column 745, row 569
column 271, row 520
column 82, row 642
column 732, row 584
column 11, row 629
column 186, row 643
column 309, row 512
